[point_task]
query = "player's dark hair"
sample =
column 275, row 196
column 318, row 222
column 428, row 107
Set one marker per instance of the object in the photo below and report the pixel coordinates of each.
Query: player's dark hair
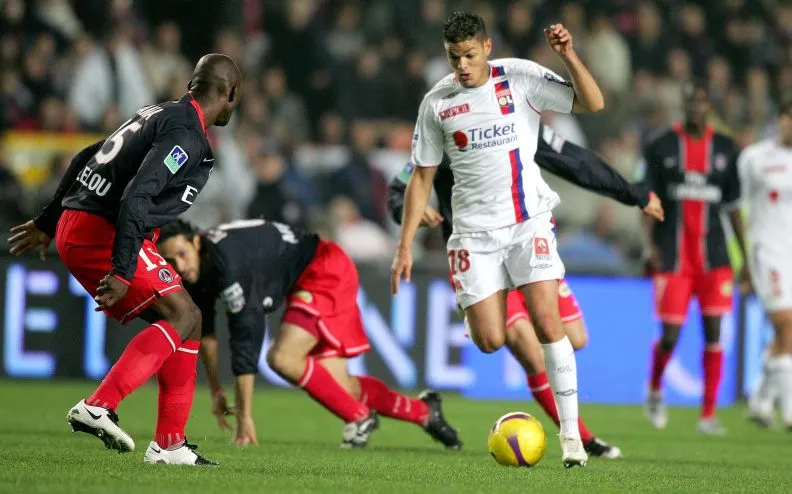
column 176, row 228
column 462, row 26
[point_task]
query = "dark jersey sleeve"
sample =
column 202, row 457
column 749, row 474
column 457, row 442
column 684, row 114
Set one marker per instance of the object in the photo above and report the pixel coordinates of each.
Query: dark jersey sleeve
column 586, row 170
column 47, row 221
column 396, row 190
column 731, row 187
column 652, row 178
column 175, row 151
column 246, row 319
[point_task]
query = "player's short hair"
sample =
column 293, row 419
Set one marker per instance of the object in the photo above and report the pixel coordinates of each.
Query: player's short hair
column 176, row 228
column 462, row 26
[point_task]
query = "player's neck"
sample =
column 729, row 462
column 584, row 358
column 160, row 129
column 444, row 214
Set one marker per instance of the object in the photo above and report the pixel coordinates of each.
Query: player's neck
column 694, row 130
column 209, row 114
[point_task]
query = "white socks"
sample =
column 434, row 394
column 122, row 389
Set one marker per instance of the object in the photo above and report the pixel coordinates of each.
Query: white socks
column 561, row 369
column 779, row 375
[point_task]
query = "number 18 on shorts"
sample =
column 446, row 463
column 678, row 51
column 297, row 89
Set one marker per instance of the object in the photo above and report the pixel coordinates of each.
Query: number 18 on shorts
column 482, row 263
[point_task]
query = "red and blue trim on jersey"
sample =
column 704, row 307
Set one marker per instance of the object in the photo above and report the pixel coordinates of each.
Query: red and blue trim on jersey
column 504, row 97
column 497, row 71
column 517, row 190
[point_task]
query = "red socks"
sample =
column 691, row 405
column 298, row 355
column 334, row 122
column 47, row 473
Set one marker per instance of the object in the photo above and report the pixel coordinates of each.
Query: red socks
column 142, row 357
column 176, row 379
column 319, row 383
column 713, row 366
column 660, row 359
column 540, row 389
column 377, row 395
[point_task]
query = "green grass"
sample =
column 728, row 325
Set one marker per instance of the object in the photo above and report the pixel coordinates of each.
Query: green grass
column 299, row 451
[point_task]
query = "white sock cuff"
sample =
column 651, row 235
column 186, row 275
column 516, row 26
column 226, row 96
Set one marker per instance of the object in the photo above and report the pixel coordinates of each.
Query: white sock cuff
column 558, row 350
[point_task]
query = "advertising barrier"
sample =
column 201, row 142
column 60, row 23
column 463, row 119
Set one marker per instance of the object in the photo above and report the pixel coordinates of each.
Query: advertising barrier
column 50, row 330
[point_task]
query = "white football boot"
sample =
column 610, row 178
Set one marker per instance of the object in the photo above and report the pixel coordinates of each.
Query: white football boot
column 102, row 423
column 655, row 410
column 711, row 426
column 183, row 455
column 573, row 452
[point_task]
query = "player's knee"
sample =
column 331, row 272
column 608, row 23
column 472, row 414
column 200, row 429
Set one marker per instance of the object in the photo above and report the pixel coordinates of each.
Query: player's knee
column 578, row 339
column 490, row 341
column 548, row 327
column 284, row 363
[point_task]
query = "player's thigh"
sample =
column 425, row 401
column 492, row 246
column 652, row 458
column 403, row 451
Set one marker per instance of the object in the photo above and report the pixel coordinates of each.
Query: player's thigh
column 571, row 316
column 541, row 298
column 524, row 345
column 486, row 320
column 715, row 291
column 475, row 262
column 532, row 255
column 337, row 367
column 672, row 294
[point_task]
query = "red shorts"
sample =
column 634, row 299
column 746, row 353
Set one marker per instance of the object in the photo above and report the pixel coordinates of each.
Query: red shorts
column 673, row 292
column 85, row 245
column 324, row 303
column 567, row 305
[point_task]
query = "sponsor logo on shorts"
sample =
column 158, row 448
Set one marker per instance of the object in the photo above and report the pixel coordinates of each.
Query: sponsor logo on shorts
column 720, row 162
column 305, row 296
column 267, row 302
column 563, row 290
column 726, row 288
column 165, row 275
column 542, row 249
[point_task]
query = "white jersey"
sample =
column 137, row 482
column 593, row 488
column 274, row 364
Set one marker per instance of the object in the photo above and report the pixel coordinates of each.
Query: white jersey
column 766, row 180
column 490, row 134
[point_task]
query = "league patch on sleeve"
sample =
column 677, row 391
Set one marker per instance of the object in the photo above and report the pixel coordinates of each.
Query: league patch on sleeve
column 234, row 298
column 552, row 78
column 176, row 159
column 406, row 173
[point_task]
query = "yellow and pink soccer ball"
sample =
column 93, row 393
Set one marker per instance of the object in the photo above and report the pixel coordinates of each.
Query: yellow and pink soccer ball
column 517, row 439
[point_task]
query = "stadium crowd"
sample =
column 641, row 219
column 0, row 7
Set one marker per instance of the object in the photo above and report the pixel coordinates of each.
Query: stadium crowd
column 332, row 88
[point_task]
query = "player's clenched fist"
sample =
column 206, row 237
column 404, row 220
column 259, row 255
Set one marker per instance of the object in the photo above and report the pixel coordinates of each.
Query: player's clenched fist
column 109, row 291
column 559, row 38
column 402, row 266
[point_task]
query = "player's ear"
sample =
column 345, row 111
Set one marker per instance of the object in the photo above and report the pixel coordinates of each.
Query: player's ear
column 488, row 46
column 232, row 94
column 196, row 241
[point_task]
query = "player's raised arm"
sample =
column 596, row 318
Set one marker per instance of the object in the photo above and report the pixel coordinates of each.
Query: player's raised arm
column 588, row 96
column 585, row 169
column 175, row 151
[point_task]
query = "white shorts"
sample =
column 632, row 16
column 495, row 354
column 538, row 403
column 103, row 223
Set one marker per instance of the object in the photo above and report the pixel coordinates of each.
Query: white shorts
column 771, row 273
column 483, row 263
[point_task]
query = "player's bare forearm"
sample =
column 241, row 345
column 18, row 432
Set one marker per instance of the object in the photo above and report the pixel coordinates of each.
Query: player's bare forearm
column 588, row 96
column 209, row 357
column 416, row 198
column 243, row 394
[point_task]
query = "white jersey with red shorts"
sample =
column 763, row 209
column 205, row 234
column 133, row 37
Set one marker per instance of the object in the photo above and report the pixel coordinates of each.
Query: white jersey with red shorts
column 323, row 302
column 85, row 245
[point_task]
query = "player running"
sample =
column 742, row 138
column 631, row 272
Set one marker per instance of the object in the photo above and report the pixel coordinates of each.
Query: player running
column 104, row 218
column 252, row 265
column 585, row 169
column 693, row 170
column 485, row 116
column 765, row 170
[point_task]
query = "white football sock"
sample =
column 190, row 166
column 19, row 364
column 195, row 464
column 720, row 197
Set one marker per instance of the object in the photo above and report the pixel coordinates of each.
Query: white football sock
column 561, row 369
column 782, row 370
column 766, row 393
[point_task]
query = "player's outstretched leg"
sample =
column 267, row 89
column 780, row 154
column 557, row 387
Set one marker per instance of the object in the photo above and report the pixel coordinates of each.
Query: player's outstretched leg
column 523, row 344
column 290, row 358
column 542, row 300
column 425, row 411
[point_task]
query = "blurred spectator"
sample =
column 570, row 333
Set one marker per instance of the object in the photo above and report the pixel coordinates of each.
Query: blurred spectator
column 519, row 33
column 13, row 200
column 693, row 36
column 111, row 74
column 345, row 40
column 362, row 239
column 273, row 199
column 163, row 61
column 649, row 45
column 287, row 112
column 608, row 56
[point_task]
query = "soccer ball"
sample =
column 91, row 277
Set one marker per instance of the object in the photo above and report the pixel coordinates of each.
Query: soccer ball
column 517, row 439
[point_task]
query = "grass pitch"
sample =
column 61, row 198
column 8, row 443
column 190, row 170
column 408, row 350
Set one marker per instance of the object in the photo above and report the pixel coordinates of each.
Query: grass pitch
column 299, row 451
